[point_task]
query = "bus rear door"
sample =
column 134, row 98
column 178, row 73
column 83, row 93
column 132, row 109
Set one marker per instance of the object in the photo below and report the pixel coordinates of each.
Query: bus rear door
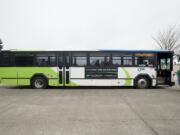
column 64, row 70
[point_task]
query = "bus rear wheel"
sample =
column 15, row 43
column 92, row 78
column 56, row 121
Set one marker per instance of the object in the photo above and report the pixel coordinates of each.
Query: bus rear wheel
column 142, row 83
column 39, row 82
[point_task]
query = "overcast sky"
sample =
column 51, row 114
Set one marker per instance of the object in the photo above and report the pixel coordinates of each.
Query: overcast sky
column 84, row 24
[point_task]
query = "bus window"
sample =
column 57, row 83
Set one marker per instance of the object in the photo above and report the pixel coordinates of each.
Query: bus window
column 97, row 61
column 4, row 59
column 24, row 60
column 42, row 61
column 144, row 61
column 107, row 61
column 116, row 60
column 52, row 61
column 168, row 64
column 165, row 64
column 127, row 61
column 67, row 60
column 60, row 61
column 79, row 61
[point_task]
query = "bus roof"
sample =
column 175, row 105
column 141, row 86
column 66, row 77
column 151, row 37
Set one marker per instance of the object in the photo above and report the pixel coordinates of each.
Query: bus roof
column 141, row 51
column 131, row 51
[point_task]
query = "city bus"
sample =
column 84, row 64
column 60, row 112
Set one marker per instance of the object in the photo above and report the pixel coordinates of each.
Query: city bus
column 39, row 69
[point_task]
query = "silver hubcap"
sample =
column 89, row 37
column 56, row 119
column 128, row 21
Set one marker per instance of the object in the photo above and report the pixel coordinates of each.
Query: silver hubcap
column 39, row 83
column 142, row 83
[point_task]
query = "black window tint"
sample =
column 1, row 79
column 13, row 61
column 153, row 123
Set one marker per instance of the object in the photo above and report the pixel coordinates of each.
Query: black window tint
column 52, row 61
column 60, row 61
column 42, row 60
column 24, row 60
column 67, row 60
column 97, row 61
column 4, row 59
column 127, row 61
column 116, row 60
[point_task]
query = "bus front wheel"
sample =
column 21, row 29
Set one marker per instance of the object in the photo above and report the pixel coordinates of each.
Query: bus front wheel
column 142, row 83
column 39, row 82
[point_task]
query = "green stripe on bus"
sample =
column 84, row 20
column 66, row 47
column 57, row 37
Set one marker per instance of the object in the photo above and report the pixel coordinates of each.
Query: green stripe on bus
column 10, row 75
column 24, row 72
column 128, row 82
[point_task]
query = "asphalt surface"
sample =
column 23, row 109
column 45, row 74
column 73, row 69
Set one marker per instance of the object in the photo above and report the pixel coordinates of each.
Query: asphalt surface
column 101, row 111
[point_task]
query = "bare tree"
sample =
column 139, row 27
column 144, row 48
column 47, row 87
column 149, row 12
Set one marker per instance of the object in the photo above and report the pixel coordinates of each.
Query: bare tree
column 169, row 39
column 1, row 46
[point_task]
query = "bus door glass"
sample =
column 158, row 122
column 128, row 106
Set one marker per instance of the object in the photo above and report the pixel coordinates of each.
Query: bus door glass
column 60, row 70
column 165, row 64
column 67, row 70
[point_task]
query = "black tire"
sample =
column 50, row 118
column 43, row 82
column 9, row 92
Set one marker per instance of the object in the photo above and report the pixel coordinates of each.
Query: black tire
column 39, row 82
column 142, row 82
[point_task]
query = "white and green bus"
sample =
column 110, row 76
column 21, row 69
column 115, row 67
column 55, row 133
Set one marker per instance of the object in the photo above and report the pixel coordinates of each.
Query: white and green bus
column 39, row 69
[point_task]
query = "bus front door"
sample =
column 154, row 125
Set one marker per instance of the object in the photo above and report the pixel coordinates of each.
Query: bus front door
column 164, row 69
column 64, row 71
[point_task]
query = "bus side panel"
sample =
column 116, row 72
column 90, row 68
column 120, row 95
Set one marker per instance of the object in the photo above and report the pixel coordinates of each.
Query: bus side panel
column 26, row 73
column 53, row 82
column 98, row 82
column 8, row 76
column 10, row 82
column 78, row 79
column 77, row 73
column 23, row 82
column 22, row 75
column 132, row 72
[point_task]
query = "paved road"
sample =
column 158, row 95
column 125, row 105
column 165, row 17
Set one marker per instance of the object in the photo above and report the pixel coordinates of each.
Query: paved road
column 89, row 112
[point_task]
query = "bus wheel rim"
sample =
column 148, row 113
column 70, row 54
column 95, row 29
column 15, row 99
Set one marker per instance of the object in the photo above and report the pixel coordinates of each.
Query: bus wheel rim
column 142, row 83
column 39, row 83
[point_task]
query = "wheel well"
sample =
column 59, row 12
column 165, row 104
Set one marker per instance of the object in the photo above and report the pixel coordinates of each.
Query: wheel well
column 143, row 75
column 39, row 75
